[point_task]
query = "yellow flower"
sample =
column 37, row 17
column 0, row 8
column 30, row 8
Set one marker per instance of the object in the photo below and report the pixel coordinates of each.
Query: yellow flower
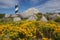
column 44, row 38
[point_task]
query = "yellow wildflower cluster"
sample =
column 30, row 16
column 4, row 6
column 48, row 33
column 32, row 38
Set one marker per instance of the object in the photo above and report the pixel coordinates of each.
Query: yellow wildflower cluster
column 29, row 30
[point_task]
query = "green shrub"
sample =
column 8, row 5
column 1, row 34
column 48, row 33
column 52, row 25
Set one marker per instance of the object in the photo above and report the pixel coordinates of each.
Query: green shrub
column 48, row 32
column 2, row 15
column 57, row 36
column 57, row 19
column 39, row 15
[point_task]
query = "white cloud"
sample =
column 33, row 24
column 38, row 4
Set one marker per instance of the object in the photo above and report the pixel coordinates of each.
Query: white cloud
column 50, row 6
column 7, row 3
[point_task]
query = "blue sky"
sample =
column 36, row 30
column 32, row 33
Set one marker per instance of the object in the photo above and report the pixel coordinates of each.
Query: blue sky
column 7, row 6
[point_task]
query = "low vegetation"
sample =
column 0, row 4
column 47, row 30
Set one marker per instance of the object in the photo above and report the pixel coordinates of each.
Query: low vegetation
column 57, row 19
column 2, row 15
column 30, row 30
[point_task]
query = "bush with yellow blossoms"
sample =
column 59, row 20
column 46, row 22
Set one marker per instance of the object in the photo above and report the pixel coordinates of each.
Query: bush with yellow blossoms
column 30, row 30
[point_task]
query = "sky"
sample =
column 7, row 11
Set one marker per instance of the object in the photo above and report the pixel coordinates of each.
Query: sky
column 8, row 6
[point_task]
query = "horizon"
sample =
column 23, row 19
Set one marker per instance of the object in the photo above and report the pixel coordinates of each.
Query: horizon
column 8, row 6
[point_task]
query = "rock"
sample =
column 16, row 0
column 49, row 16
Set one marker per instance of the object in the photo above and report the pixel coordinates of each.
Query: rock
column 33, row 17
column 43, row 19
column 53, row 17
column 56, row 15
column 14, row 15
column 29, row 12
column 7, row 15
column 16, row 19
column 6, row 19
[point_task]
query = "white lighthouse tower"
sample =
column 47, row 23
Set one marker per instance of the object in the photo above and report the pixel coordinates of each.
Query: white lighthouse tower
column 16, row 8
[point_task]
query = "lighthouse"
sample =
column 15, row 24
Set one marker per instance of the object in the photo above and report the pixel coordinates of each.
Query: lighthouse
column 16, row 8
